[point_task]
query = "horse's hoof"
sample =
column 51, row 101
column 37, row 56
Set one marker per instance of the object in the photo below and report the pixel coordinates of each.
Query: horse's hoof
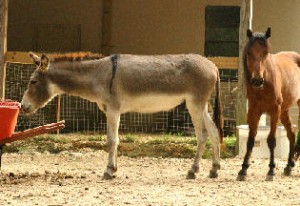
column 296, row 156
column 217, row 166
column 191, row 176
column 287, row 171
column 241, row 178
column 270, row 177
column 213, row 174
column 107, row 176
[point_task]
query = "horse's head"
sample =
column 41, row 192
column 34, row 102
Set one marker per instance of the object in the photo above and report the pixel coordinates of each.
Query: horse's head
column 39, row 90
column 256, row 52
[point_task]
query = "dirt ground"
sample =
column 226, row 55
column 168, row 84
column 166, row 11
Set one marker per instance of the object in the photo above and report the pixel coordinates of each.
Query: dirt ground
column 70, row 178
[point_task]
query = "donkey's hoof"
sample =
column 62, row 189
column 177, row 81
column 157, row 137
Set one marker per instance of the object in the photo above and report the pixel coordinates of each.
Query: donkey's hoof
column 191, row 176
column 213, row 174
column 241, row 178
column 287, row 171
column 107, row 176
column 270, row 177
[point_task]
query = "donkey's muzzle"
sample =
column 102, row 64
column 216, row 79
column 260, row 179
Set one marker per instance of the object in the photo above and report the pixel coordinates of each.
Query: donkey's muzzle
column 257, row 82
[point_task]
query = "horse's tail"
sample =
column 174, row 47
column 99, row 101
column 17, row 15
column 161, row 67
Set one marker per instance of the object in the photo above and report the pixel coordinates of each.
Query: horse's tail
column 218, row 117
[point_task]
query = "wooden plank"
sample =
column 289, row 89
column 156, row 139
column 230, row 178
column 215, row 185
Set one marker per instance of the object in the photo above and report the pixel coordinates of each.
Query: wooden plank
column 18, row 57
column 225, row 62
column 3, row 44
column 23, row 57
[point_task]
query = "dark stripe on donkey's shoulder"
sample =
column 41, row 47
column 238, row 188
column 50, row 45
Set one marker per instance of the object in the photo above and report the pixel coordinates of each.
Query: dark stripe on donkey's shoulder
column 114, row 61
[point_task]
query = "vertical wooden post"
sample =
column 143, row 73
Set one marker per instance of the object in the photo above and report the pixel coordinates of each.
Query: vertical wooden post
column 106, row 26
column 245, row 23
column 58, row 110
column 3, row 44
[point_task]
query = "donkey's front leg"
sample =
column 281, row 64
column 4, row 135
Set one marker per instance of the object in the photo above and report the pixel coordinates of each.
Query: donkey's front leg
column 196, row 113
column 113, row 119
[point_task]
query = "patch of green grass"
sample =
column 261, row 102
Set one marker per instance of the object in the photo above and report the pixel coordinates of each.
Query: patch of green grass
column 96, row 138
column 132, row 145
column 130, row 138
column 49, row 138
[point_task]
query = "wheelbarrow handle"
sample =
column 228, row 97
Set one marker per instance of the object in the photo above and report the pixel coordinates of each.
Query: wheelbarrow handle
column 33, row 132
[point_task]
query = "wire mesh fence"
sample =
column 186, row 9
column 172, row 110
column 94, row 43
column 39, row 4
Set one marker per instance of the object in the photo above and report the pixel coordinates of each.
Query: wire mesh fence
column 82, row 116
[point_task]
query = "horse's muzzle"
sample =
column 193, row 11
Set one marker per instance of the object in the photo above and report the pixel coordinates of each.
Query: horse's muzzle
column 257, row 82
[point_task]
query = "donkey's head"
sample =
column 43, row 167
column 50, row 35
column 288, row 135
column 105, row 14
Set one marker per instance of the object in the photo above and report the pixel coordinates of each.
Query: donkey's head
column 39, row 90
column 255, row 55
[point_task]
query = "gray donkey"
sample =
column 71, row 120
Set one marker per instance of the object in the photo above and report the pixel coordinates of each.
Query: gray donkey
column 133, row 83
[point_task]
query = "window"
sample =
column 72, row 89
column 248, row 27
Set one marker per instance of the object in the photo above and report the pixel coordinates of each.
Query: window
column 222, row 31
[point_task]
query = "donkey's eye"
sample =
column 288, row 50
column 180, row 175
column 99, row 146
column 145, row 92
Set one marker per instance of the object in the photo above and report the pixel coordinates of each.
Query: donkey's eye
column 33, row 82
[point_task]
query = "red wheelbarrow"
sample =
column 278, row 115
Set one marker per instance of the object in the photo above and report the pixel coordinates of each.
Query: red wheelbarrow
column 8, row 119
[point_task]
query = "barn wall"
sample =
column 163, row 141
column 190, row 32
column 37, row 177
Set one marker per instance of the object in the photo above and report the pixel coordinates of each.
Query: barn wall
column 283, row 17
column 157, row 27
column 55, row 25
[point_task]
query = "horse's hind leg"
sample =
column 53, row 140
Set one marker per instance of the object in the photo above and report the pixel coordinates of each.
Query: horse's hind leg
column 196, row 112
column 253, row 119
column 215, row 141
column 113, row 119
column 297, row 146
column 286, row 121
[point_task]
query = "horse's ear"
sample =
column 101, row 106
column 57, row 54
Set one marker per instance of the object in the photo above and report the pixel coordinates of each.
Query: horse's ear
column 249, row 33
column 35, row 58
column 268, row 33
column 44, row 62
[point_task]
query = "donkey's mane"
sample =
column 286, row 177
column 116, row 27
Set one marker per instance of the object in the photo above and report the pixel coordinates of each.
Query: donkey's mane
column 76, row 56
column 256, row 37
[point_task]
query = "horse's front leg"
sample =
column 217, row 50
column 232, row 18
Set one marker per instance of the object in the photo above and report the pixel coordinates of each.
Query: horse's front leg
column 253, row 119
column 286, row 121
column 272, row 143
column 113, row 119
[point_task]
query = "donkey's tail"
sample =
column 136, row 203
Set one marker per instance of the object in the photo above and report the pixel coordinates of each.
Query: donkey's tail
column 218, row 117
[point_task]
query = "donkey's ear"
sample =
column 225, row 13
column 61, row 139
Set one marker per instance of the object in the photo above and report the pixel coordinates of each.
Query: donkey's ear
column 249, row 33
column 44, row 62
column 268, row 33
column 35, row 58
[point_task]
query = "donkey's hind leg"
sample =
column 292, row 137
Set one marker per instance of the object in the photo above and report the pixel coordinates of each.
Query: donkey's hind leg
column 215, row 141
column 286, row 121
column 113, row 119
column 196, row 112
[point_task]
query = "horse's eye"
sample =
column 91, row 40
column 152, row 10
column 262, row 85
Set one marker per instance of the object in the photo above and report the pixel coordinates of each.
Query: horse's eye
column 33, row 81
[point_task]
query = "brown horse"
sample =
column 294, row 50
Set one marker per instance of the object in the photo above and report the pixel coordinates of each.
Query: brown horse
column 273, row 85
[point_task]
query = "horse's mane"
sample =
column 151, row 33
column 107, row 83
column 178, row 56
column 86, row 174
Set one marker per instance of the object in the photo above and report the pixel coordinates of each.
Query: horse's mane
column 256, row 37
column 76, row 56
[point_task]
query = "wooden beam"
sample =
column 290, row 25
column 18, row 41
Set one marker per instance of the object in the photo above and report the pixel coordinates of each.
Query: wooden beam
column 241, row 107
column 23, row 58
column 225, row 62
column 3, row 44
column 107, row 26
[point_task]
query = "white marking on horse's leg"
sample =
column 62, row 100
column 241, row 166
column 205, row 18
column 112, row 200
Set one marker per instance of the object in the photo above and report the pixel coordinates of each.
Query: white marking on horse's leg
column 113, row 119
column 214, row 137
column 196, row 112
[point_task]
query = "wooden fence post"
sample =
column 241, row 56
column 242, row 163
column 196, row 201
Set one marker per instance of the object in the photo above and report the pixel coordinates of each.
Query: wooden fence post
column 106, row 26
column 245, row 23
column 3, row 44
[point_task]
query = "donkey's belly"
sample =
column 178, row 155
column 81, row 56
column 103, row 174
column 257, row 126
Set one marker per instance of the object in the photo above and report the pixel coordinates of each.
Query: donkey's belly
column 151, row 103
